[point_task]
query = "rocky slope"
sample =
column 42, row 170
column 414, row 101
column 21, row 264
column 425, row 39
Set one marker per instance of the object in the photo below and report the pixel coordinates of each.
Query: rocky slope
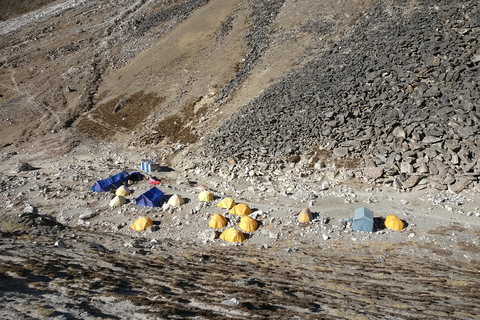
column 278, row 104
column 78, row 278
column 399, row 93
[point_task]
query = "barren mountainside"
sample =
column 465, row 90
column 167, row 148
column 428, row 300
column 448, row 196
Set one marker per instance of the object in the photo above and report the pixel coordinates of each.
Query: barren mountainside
column 281, row 105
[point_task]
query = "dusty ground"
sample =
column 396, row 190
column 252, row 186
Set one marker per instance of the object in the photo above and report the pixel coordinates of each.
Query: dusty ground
column 288, row 269
column 63, row 70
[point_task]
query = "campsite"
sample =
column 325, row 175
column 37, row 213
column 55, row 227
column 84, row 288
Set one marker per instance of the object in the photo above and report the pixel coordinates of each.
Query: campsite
column 239, row 159
column 183, row 234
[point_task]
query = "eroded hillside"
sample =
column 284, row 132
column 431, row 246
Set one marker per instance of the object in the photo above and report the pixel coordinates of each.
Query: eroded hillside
column 174, row 66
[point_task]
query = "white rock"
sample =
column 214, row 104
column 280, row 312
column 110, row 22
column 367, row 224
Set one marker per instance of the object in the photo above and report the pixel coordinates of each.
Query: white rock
column 231, row 302
column 59, row 244
column 86, row 216
column 30, row 210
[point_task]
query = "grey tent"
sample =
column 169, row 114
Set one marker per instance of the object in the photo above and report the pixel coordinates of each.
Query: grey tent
column 363, row 220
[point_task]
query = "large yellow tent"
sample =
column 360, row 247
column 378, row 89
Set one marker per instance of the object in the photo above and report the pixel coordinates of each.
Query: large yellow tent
column 226, row 203
column 248, row 224
column 117, row 201
column 394, row 223
column 232, row 235
column 175, row 201
column 217, row 221
column 205, row 196
column 241, row 210
column 305, row 216
column 122, row 191
column 142, row 224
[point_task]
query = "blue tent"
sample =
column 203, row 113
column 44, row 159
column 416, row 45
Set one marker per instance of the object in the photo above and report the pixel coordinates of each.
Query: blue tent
column 151, row 198
column 110, row 183
column 363, row 220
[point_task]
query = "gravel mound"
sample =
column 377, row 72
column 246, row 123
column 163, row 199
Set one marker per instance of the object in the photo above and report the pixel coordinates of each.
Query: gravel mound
column 399, row 92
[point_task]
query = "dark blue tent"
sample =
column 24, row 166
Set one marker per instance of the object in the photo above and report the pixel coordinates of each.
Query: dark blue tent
column 363, row 220
column 112, row 182
column 151, row 198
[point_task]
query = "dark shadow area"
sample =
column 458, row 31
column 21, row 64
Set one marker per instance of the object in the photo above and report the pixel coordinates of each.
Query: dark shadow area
column 125, row 289
column 246, row 234
column 166, row 169
column 378, row 224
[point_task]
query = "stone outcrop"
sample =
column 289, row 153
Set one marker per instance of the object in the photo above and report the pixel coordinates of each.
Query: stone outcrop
column 399, row 92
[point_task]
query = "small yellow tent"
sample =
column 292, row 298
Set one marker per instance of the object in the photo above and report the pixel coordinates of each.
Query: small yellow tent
column 175, row 201
column 305, row 216
column 142, row 224
column 122, row 191
column 117, row 201
column 241, row 210
column 248, row 224
column 205, row 196
column 394, row 223
column 217, row 221
column 226, row 203
column 232, row 235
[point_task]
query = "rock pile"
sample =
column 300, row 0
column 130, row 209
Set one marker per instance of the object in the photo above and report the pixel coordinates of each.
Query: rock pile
column 176, row 12
column 400, row 92
column 263, row 15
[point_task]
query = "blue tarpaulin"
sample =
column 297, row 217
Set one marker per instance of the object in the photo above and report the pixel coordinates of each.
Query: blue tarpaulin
column 363, row 220
column 151, row 198
column 110, row 183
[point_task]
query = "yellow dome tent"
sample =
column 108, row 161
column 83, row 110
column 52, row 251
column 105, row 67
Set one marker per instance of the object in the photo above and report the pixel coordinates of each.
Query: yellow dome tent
column 217, row 221
column 241, row 210
column 205, row 196
column 232, row 235
column 394, row 223
column 142, row 224
column 117, row 201
column 305, row 216
column 122, row 191
column 175, row 201
column 226, row 203
column 248, row 224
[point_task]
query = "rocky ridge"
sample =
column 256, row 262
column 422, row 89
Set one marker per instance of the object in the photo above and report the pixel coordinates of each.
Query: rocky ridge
column 399, row 95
